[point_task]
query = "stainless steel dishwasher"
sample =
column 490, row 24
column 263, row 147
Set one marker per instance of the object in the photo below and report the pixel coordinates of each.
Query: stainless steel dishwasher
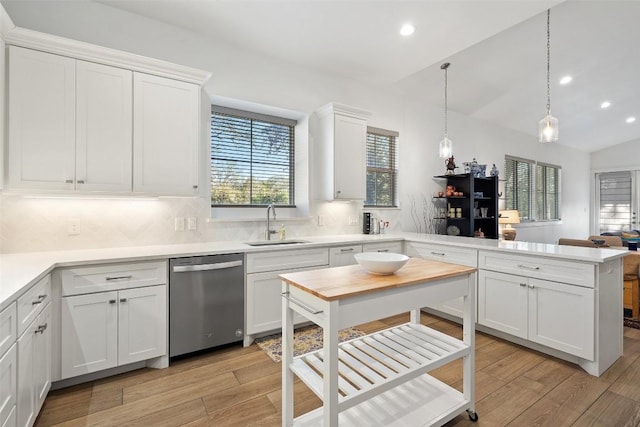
column 206, row 302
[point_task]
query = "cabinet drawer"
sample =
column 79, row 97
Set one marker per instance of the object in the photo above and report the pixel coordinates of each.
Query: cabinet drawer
column 539, row 268
column 31, row 303
column 112, row 277
column 286, row 260
column 452, row 254
column 394, row 247
column 343, row 255
column 8, row 329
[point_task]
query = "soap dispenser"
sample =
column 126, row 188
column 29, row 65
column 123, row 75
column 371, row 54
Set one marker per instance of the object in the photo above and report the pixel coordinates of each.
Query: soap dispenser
column 282, row 233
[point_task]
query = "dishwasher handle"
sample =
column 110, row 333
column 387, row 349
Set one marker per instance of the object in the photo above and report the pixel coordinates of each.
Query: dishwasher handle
column 206, row 267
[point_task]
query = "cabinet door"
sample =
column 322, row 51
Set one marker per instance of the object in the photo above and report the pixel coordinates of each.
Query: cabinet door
column 41, row 120
column 42, row 356
column 89, row 333
column 8, row 383
column 502, row 302
column 165, row 135
column 562, row 317
column 103, row 128
column 264, row 302
column 142, row 324
column 343, row 255
column 350, row 168
column 26, row 402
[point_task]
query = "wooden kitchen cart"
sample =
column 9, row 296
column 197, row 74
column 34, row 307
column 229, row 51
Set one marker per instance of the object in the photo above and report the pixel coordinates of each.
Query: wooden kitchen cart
column 380, row 379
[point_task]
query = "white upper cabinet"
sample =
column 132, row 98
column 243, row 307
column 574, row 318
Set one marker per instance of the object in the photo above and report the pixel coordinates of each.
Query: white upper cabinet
column 84, row 118
column 42, row 109
column 104, row 126
column 165, row 134
column 341, row 153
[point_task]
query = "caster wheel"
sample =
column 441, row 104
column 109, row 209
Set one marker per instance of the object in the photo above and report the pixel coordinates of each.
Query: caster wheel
column 473, row 416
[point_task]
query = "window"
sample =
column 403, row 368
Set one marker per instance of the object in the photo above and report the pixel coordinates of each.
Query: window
column 617, row 200
column 533, row 188
column 252, row 159
column 382, row 168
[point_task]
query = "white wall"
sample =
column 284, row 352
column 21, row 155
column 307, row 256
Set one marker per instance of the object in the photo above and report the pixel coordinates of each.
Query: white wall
column 625, row 156
column 40, row 224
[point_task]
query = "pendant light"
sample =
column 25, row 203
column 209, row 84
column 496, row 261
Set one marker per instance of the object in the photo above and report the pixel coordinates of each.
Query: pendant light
column 548, row 126
column 446, row 146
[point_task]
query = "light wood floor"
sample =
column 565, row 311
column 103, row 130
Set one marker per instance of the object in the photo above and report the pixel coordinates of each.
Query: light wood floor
column 241, row 387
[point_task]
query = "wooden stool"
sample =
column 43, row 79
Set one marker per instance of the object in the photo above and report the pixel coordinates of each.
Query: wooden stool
column 630, row 300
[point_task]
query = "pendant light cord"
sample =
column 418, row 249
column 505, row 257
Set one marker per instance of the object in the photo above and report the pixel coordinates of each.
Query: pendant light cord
column 548, row 62
column 444, row 67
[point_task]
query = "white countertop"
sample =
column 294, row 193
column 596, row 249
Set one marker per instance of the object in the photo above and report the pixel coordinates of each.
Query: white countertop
column 19, row 271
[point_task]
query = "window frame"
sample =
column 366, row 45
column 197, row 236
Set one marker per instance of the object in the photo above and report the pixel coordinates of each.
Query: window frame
column 536, row 199
column 392, row 170
column 262, row 118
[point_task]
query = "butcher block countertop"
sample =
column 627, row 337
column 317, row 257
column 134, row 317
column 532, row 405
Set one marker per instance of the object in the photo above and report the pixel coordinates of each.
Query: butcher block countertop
column 343, row 282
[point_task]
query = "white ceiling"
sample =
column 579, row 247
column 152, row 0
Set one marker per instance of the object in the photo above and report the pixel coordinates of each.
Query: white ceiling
column 497, row 51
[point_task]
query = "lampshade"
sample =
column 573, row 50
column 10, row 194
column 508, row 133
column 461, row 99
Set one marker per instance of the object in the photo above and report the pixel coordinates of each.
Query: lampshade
column 509, row 217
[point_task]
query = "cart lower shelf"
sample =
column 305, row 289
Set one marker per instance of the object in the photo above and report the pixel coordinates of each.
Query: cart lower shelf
column 382, row 377
column 423, row 401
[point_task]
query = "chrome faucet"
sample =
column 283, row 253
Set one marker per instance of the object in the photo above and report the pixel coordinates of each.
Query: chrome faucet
column 268, row 232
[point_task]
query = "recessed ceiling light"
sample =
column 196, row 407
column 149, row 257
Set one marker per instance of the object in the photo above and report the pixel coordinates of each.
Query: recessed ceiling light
column 407, row 30
column 566, row 80
column 630, row 119
column 605, row 104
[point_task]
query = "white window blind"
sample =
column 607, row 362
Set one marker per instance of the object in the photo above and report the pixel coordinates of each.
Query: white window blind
column 615, row 191
column 532, row 188
column 382, row 168
column 252, row 158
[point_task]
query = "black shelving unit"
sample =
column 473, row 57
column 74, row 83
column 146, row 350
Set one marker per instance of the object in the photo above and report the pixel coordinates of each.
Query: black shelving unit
column 472, row 220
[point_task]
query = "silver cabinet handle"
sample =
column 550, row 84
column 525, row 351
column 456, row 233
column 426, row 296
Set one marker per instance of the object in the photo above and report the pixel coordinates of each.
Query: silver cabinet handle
column 80, row 181
column 68, row 181
column 437, row 253
column 529, row 267
column 346, row 250
column 385, row 250
column 41, row 329
column 123, row 300
column 206, row 267
column 288, row 297
column 195, row 187
column 531, row 286
column 112, row 301
column 39, row 300
column 523, row 284
column 120, row 277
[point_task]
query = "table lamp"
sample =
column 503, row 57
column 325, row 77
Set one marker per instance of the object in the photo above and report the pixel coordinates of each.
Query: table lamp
column 508, row 218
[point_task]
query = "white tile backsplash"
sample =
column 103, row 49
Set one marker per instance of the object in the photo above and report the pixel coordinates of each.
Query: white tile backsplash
column 41, row 223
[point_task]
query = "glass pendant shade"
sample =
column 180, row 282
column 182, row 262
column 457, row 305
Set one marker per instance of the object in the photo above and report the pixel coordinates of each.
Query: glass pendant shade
column 548, row 129
column 446, row 148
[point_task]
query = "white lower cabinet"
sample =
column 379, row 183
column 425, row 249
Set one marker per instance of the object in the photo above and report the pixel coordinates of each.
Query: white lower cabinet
column 556, row 315
column 445, row 253
column 108, row 329
column 263, row 299
column 34, row 367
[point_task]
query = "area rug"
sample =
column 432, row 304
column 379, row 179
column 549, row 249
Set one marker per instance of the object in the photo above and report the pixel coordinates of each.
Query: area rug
column 305, row 339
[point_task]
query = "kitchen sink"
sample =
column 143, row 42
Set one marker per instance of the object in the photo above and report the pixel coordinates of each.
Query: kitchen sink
column 276, row 242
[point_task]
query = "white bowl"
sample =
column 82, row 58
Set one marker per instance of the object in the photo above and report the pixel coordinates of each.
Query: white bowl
column 381, row 262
